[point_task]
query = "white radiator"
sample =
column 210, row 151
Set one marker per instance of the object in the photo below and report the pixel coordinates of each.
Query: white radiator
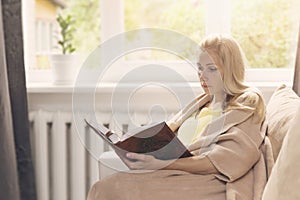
column 64, row 169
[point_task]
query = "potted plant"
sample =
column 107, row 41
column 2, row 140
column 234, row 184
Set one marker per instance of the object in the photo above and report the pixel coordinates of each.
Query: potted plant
column 65, row 64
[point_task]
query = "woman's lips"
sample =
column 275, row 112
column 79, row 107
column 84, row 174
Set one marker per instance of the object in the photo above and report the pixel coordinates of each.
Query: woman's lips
column 204, row 85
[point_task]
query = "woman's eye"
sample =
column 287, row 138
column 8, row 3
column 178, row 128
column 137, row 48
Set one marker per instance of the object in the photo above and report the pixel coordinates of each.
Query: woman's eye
column 200, row 68
column 212, row 69
column 208, row 68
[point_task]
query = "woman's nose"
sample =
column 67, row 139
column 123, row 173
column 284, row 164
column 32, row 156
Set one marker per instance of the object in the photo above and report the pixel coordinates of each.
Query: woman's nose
column 202, row 74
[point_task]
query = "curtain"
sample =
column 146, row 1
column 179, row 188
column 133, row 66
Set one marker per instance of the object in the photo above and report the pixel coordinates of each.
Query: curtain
column 8, row 169
column 14, row 124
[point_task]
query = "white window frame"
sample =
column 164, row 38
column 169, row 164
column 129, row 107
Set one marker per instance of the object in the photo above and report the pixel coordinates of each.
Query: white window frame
column 112, row 23
column 28, row 16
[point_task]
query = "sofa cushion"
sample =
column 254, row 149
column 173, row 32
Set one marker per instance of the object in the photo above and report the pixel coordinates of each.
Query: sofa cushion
column 285, row 177
column 280, row 111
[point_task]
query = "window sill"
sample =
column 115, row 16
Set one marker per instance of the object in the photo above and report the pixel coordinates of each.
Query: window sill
column 267, row 80
column 44, row 87
column 116, row 73
column 49, row 88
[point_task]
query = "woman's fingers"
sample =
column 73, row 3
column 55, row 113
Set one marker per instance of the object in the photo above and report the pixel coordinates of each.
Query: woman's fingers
column 142, row 161
column 136, row 156
column 134, row 164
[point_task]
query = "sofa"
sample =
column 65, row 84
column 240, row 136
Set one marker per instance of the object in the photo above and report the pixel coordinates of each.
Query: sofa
column 283, row 118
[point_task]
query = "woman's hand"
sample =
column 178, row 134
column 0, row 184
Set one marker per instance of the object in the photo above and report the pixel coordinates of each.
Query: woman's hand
column 143, row 161
column 195, row 164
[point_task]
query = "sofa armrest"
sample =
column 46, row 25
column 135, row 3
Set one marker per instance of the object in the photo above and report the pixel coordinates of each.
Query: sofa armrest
column 285, row 176
column 281, row 109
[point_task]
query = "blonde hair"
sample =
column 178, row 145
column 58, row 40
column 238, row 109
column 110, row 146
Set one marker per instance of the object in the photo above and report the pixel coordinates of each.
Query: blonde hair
column 226, row 52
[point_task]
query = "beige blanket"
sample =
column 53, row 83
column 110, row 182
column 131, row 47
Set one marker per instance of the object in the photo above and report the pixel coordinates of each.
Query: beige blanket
column 161, row 184
column 236, row 145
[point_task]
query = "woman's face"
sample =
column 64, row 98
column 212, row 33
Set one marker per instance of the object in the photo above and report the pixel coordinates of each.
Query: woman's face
column 210, row 76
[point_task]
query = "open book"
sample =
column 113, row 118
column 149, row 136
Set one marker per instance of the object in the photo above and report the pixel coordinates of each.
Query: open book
column 155, row 139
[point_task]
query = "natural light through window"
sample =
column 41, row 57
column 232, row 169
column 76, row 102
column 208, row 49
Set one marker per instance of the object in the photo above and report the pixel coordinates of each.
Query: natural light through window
column 266, row 29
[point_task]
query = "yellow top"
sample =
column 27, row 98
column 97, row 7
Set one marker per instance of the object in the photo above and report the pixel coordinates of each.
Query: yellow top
column 192, row 127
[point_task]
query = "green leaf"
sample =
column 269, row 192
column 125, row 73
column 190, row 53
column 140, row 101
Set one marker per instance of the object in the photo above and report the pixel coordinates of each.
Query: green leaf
column 67, row 33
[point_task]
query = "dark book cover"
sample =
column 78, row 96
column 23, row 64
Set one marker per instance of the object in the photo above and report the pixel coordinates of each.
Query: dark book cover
column 155, row 139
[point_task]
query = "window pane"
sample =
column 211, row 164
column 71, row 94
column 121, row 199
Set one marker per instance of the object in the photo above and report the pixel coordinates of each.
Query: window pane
column 87, row 23
column 44, row 44
column 266, row 30
column 185, row 17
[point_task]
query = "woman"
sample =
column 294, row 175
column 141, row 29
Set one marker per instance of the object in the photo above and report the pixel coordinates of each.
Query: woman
column 227, row 137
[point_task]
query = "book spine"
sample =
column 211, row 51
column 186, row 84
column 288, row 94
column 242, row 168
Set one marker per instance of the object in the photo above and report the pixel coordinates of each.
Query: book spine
column 113, row 137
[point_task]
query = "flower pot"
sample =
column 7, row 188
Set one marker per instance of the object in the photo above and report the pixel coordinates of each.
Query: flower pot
column 64, row 68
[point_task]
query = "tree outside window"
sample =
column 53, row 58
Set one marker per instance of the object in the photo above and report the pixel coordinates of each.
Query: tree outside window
column 266, row 29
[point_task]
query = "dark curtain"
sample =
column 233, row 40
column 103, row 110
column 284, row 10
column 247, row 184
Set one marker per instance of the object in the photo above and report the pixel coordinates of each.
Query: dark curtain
column 17, row 167
column 9, row 188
